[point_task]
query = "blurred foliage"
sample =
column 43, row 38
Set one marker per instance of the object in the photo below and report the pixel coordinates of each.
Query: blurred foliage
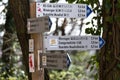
column 16, row 73
column 13, row 69
column 83, row 67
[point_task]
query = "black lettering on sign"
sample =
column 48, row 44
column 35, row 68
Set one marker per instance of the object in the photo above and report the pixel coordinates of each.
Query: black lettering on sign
column 60, row 38
column 53, row 61
column 52, row 65
column 94, row 42
column 63, row 46
column 58, row 14
column 79, row 38
column 79, row 42
column 94, row 46
column 94, row 38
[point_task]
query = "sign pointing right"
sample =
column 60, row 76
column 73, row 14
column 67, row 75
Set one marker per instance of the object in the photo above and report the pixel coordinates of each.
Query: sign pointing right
column 55, row 60
column 101, row 42
column 62, row 10
column 73, row 42
column 89, row 11
column 68, row 60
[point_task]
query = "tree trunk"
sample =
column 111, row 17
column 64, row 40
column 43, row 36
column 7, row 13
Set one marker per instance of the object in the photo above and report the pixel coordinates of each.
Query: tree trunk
column 20, row 12
column 110, row 53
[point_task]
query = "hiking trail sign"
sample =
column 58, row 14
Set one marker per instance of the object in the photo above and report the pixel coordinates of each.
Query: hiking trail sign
column 55, row 60
column 62, row 10
column 73, row 42
column 38, row 25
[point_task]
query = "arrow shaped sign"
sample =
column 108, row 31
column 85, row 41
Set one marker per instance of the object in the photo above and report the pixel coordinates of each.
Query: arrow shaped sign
column 50, row 23
column 62, row 10
column 73, row 42
column 68, row 60
column 38, row 25
column 101, row 41
column 89, row 11
column 55, row 60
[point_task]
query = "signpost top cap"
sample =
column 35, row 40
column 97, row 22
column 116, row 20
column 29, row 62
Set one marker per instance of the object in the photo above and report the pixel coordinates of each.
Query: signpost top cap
column 36, row 0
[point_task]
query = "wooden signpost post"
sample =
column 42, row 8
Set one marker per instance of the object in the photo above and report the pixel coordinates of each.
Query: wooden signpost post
column 37, row 40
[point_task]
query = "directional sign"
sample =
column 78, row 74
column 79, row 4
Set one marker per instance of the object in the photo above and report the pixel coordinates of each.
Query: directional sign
column 73, row 42
column 62, row 10
column 102, row 42
column 55, row 60
column 38, row 25
column 50, row 23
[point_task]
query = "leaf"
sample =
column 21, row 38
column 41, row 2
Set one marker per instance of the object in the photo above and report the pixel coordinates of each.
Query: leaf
column 95, row 18
column 118, row 65
column 109, row 19
column 53, row 1
column 87, row 23
column 117, row 18
column 87, row 30
column 70, row 1
column 91, row 68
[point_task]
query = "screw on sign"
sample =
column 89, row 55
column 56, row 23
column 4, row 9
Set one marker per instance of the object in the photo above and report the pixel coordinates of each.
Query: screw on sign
column 31, row 63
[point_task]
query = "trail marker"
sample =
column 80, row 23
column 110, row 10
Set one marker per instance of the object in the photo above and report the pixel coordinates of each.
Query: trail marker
column 38, row 25
column 73, row 42
column 62, row 10
column 55, row 60
column 31, row 63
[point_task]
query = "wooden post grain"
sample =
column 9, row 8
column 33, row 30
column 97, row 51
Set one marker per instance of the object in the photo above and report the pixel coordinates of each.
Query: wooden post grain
column 38, row 45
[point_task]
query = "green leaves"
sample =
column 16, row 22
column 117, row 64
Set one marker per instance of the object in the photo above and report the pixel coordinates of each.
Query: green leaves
column 90, row 30
column 53, row 1
column 93, row 31
column 78, row 69
column 70, row 1
column 118, row 65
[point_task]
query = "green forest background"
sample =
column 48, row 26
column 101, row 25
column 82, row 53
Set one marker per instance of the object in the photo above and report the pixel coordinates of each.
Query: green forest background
column 102, row 64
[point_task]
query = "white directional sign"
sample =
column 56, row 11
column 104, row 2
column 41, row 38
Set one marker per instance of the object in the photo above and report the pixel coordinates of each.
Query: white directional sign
column 73, row 42
column 38, row 25
column 55, row 60
column 61, row 10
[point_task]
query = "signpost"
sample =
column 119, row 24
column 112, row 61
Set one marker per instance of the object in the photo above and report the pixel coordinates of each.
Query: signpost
column 55, row 60
column 38, row 25
column 62, row 10
column 73, row 42
column 35, row 44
